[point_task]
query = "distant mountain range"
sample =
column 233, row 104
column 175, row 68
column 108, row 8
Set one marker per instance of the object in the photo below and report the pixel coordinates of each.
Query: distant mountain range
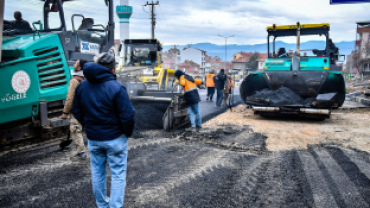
column 345, row 48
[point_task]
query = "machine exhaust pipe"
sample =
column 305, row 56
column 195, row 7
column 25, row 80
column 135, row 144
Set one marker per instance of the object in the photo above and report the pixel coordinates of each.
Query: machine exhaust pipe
column 266, row 109
column 315, row 111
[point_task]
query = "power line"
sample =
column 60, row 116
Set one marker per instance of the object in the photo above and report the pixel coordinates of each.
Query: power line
column 153, row 15
column 226, row 37
column 142, row 6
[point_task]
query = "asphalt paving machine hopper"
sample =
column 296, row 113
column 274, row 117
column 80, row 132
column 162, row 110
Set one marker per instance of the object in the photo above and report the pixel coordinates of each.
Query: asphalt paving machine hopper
column 308, row 86
column 155, row 95
column 155, row 109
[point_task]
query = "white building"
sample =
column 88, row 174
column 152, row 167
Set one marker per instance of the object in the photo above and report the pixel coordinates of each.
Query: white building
column 208, row 67
column 363, row 45
column 196, row 55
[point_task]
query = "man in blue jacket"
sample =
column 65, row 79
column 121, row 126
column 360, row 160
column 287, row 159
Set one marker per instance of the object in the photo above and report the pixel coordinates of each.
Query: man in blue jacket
column 103, row 107
column 219, row 83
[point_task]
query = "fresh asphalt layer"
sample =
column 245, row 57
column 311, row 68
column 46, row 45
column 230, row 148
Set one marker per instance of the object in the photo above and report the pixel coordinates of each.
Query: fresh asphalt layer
column 226, row 166
column 196, row 171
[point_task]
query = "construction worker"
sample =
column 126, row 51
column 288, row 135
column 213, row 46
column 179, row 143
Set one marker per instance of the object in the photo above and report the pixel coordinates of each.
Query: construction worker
column 227, row 89
column 19, row 23
column 219, row 84
column 333, row 50
column 103, row 107
column 74, row 125
column 191, row 98
column 210, row 84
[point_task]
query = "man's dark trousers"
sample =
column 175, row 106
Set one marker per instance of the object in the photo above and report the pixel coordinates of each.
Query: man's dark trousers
column 220, row 96
column 211, row 92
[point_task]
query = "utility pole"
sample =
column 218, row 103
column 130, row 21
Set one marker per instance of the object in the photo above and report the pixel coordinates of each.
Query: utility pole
column 153, row 15
column 226, row 47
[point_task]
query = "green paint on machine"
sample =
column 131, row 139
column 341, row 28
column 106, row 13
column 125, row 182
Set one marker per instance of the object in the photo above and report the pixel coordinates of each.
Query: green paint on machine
column 37, row 71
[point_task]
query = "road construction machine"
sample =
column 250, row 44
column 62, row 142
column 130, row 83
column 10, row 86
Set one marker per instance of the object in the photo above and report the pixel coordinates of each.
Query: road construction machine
column 35, row 71
column 143, row 59
column 152, row 89
column 308, row 85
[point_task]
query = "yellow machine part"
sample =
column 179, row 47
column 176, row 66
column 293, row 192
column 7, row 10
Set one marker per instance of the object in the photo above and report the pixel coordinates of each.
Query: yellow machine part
column 159, row 77
column 159, row 70
column 160, row 73
column 304, row 26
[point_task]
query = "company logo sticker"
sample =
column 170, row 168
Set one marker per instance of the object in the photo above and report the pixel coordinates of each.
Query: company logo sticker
column 90, row 48
column 21, row 82
column 85, row 46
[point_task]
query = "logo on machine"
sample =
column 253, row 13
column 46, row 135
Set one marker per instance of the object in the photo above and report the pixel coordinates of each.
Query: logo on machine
column 67, row 41
column 90, row 48
column 85, row 46
column 21, row 82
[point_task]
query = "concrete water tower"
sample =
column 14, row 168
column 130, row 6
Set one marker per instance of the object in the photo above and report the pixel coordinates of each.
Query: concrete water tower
column 124, row 13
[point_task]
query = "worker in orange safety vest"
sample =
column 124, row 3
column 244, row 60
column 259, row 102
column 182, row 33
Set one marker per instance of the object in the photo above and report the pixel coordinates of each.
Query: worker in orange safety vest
column 192, row 98
column 227, row 89
column 210, row 84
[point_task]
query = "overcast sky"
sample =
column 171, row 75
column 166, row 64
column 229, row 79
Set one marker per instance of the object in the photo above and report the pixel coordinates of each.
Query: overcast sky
column 198, row 21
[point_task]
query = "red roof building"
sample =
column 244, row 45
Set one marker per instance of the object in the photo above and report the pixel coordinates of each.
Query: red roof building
column 189, row 67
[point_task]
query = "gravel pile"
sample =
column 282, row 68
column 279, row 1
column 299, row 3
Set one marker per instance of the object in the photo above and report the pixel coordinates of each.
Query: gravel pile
column 281, row 97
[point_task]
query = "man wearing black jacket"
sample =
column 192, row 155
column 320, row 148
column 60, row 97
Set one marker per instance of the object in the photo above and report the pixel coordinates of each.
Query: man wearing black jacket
column 103, row 107
column 219, row 83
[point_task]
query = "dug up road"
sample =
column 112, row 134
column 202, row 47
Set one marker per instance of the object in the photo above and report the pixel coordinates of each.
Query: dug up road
column 238, row 160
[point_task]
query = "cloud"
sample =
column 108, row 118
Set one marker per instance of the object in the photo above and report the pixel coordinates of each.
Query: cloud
column 195, row 21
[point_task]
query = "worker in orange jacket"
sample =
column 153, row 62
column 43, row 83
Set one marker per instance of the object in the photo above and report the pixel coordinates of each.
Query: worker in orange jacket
column 210, row 84
column 227, row 89
column 192, row 98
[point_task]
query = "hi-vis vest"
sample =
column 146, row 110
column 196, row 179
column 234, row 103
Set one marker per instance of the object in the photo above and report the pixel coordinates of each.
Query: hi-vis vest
column 230, row 83
column 209, row 80
column 190, row 88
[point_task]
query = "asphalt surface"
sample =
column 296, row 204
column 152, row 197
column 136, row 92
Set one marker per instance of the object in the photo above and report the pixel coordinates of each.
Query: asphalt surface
column 149, row 115
column 226, row 166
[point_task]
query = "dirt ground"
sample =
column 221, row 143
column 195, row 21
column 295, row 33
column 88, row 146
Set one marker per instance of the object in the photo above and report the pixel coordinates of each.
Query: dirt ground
column 347, row 128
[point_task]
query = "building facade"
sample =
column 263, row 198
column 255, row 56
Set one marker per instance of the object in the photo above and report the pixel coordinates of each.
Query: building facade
column 195, row 55
column 241, row 59
column 216, row 63
column 361, row 57
column 189, row 67
column 171, row 58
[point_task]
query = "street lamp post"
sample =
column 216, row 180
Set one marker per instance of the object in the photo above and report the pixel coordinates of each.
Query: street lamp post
column 226, row 47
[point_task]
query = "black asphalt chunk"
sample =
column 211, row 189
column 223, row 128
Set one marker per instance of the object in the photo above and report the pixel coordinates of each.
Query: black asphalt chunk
column 280, row 97
column 238, row 138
